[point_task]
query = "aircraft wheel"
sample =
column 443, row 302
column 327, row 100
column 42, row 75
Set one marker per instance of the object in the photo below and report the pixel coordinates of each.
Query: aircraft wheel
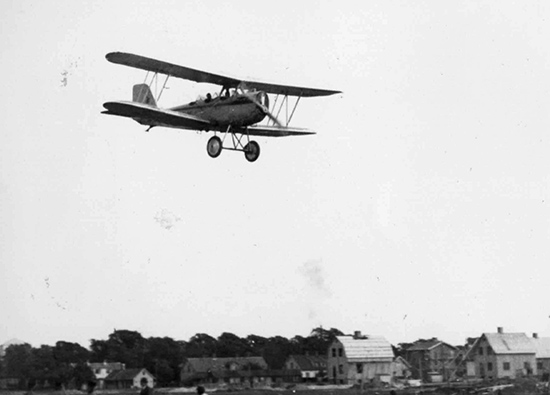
column 214, row 147
column 252, row 151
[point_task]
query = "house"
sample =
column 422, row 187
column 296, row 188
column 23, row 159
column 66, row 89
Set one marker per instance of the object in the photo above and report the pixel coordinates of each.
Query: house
column 359, row 359
column 431, row 359
column 129, row 378
column 103, row 369
column 238, row 371
column 311, row 367
column 9, row 383
column 542, row 355
column 500, row 355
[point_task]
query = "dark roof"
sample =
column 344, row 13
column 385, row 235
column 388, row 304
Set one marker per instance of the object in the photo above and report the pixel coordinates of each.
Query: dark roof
column 425, row 345
column 106, row 365
column 127, row 374
column 244, row 373
column 309, row 362
column 217, row 364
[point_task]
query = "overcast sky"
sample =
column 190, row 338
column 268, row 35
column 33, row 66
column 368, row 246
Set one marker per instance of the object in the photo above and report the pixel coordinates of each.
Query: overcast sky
column 421, row 208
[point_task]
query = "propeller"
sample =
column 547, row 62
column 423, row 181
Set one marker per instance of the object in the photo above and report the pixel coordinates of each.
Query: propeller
column 266, row 111
column 253, row 97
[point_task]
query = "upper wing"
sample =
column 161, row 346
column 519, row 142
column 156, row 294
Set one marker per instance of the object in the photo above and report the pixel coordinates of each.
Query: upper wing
column 157, row 66
column 288, row 90
column 148, row 115
column 275, row 131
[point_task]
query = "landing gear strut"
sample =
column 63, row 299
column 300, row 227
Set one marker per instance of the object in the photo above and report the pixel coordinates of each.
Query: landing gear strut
column 251, row 150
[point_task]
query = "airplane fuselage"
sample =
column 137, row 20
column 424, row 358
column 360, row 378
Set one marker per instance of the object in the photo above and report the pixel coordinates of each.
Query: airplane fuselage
column 222, row 111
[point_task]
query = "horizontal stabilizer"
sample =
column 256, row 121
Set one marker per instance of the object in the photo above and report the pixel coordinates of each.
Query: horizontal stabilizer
column 154, row 116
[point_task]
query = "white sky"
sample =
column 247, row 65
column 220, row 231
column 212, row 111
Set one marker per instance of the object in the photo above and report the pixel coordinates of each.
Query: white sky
column 421, row 208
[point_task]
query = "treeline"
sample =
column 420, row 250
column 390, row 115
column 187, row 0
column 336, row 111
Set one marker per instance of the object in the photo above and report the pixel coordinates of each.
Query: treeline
column 65, row 364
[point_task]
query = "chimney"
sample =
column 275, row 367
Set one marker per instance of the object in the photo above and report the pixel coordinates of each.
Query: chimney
column 535, row 335
column 357, row 334
column 500, row 330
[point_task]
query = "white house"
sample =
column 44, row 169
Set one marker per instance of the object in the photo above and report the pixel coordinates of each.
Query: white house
column 103, row 369
column 360, row 359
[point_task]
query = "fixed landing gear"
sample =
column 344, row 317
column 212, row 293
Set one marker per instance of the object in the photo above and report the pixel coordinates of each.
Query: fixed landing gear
column 251, row 150
column 214, row 147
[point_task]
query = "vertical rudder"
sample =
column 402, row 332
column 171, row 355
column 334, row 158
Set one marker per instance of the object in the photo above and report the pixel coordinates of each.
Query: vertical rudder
column 141, row 93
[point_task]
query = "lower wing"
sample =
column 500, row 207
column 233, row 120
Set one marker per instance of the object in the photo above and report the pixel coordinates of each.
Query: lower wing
column 276, row 131
column 154, row 116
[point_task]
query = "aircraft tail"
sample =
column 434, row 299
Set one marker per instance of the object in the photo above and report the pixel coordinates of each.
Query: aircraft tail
column 141, row 93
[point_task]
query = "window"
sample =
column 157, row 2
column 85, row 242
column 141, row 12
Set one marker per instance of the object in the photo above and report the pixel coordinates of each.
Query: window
column 341, row 369
column 334, row 371
column 506, row 365
column 359, row 368
column 340, row 352
column 480, row 350
column 488, row 350
column 539, row 365
column 489, row 366
column 333, row 352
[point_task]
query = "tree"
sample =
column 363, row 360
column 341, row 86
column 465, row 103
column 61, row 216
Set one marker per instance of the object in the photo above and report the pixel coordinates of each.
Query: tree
column 230, row 345
column 18, row 362
column 277, row 350
column 82, row 374
column 201, row 345
column 163, row 356
column 70, row 353
column 123, row 346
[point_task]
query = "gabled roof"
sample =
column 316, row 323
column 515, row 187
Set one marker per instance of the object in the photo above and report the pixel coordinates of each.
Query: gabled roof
column 222, row 374
column 426, row 345
column 509, row 343
column 126, row 374
column 213, row 364
column 542, row 347
column 366, row 349
column 309, row 362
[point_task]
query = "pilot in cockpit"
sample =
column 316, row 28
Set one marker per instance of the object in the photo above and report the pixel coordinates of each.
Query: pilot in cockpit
column 208, row 98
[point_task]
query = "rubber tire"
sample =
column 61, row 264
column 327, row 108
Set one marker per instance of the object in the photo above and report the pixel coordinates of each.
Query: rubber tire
column 252, row 151
column 214, row 147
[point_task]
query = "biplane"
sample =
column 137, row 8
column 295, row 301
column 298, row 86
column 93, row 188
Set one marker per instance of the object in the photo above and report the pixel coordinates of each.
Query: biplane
column 236, row 110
